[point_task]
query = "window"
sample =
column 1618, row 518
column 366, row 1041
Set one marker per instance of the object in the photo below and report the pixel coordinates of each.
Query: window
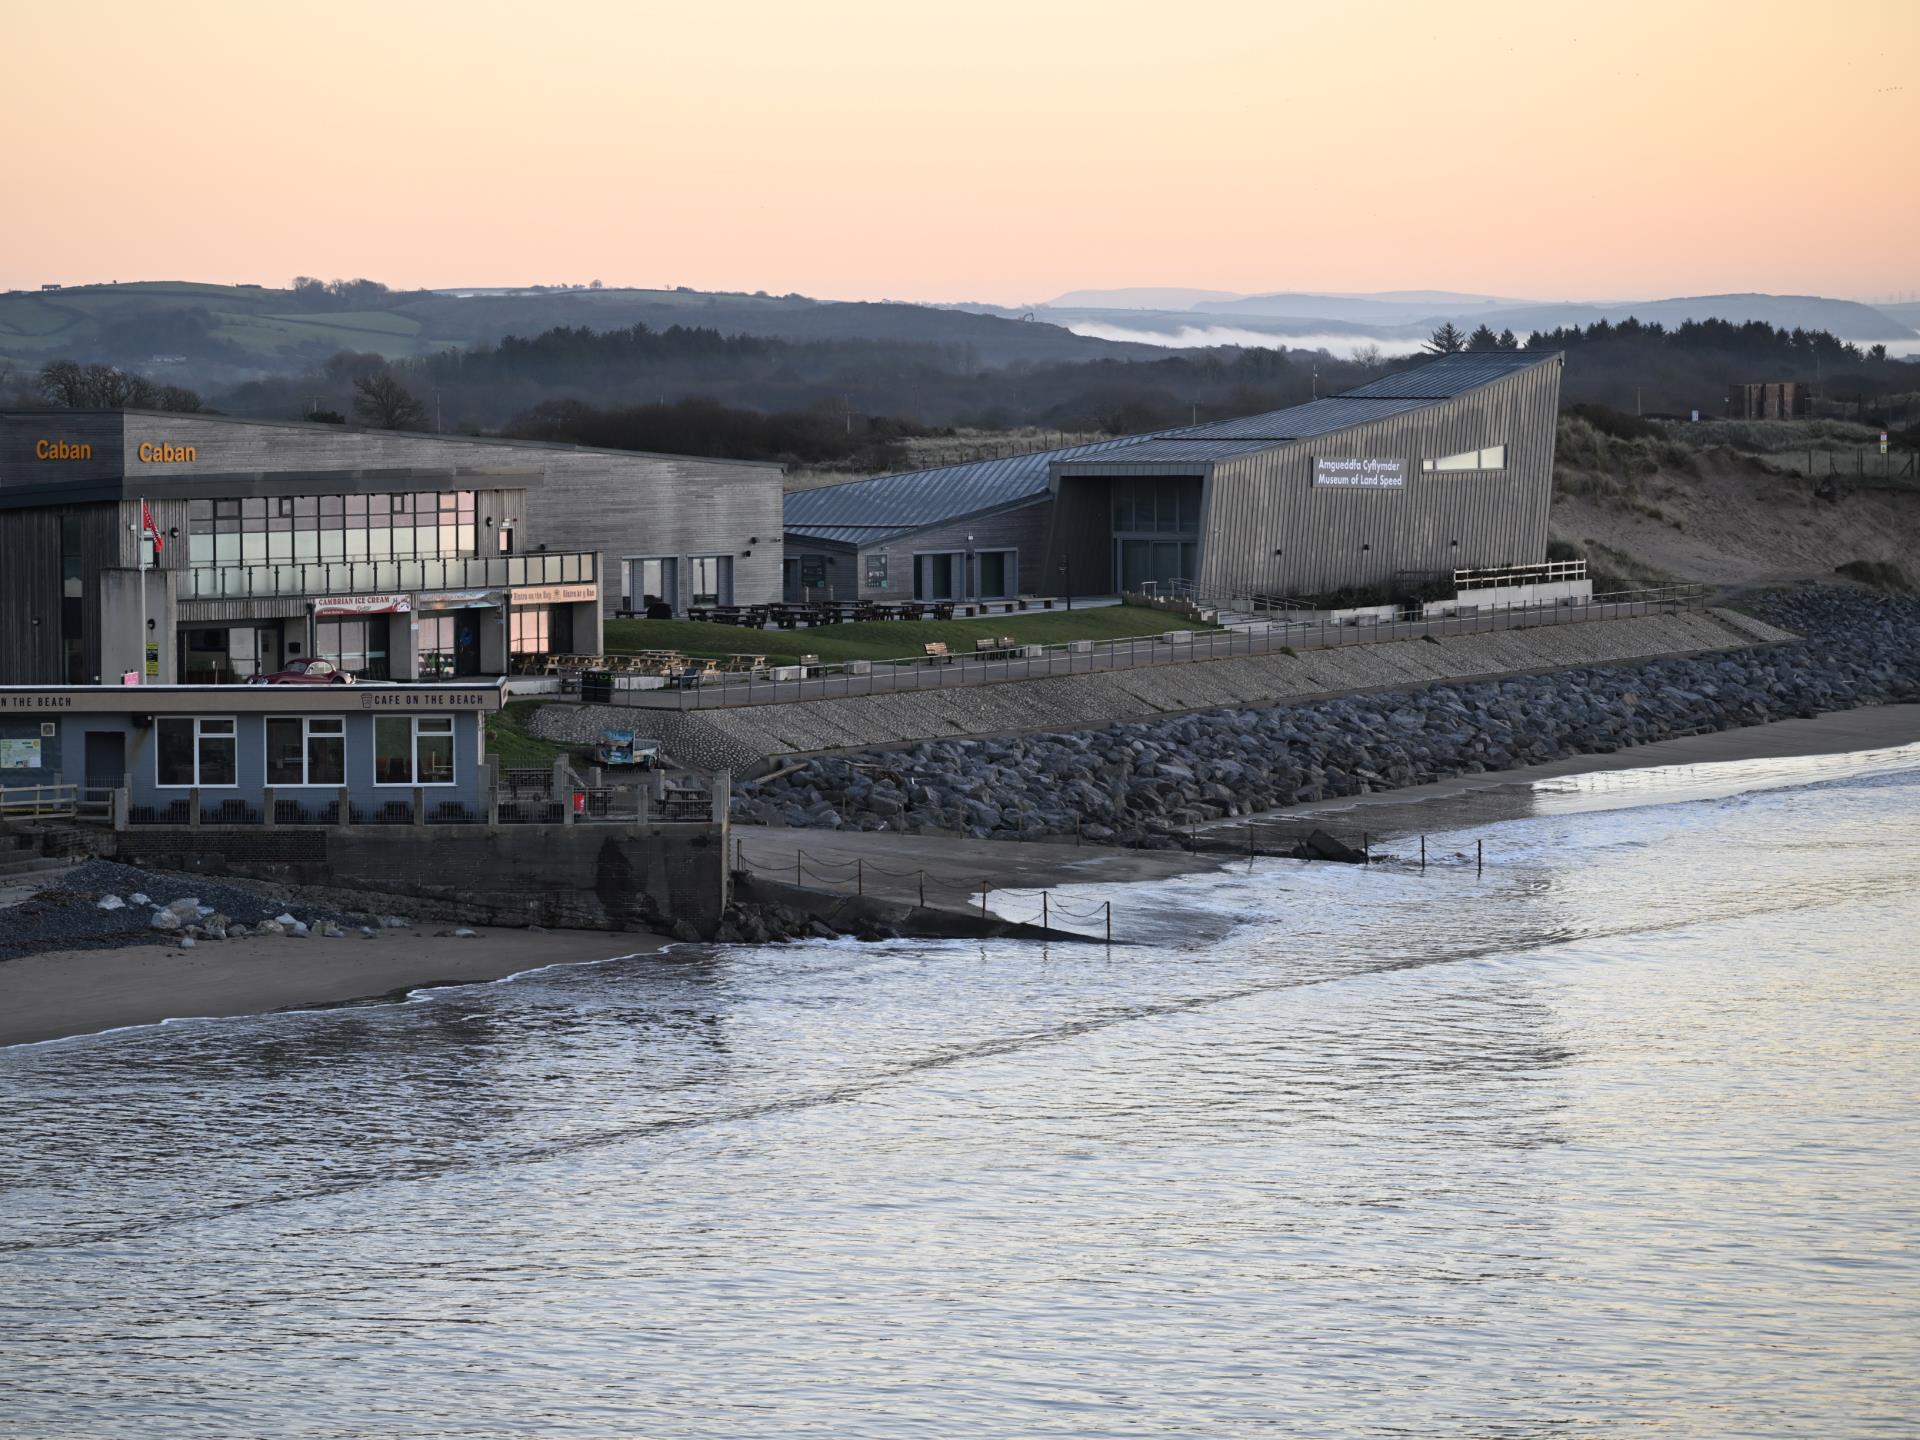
column 413, row 750
column 653, row 582
column 997, row 574
column 711, row 580
column 193, row 750
column 310, row 751
column 1494, row 457
column 531, row 632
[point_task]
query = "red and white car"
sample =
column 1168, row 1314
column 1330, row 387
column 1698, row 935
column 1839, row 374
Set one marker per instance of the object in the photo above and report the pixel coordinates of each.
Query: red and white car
column 310, row 671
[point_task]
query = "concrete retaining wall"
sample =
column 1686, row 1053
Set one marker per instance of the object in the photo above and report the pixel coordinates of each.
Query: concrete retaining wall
column 671, row 878
column 743, row 739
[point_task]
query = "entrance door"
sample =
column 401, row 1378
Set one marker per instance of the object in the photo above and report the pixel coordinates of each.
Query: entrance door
column 466, row 642
column 106, row 759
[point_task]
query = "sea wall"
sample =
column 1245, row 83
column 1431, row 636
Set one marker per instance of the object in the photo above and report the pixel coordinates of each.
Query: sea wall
column 667, row 878
column 745, row 739
column 1138, row 782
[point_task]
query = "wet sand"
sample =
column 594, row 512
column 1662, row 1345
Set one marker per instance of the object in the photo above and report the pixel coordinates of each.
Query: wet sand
column 80, row 992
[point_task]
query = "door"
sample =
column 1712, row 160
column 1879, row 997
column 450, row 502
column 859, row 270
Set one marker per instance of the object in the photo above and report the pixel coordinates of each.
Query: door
column 466, row 642
column 106, row 759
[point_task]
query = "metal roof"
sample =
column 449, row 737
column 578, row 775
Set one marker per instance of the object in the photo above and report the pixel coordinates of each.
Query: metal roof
column 859, row 511
column 862, row 510
column 1446, row 376
column 1173, row 449
column 1300, row 422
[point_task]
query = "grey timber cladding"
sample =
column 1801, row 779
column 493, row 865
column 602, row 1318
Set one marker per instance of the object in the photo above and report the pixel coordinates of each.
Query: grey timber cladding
column 616, row 503
column 1268, row 530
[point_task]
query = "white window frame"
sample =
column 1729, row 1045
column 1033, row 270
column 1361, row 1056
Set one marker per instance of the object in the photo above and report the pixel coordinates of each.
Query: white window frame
column 233, row 734
column 1487, row 458
column 307, row 722
column 413, row 759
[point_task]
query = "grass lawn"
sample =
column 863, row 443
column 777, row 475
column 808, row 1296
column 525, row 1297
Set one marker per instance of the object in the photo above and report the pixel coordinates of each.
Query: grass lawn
column 508, row 739
column 889, row 639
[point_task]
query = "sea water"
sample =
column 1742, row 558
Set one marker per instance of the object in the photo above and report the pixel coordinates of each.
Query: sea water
column 1618, row 1137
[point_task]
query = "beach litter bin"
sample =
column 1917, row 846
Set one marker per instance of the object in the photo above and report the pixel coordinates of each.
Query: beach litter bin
column 596, row 687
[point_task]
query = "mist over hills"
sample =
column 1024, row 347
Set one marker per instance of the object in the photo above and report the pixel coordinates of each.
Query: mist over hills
column 1409, row 314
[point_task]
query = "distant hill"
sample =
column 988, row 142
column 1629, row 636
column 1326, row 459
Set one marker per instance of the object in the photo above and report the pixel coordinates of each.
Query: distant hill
column 209, row 335
column 1138, row 297
column 1848, row 319
column 1404, row 308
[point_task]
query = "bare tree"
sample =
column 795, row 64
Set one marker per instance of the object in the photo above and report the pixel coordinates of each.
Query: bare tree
column 73, row 386
column 383, row 402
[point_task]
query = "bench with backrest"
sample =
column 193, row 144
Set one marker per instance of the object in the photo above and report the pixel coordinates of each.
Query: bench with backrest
column 937, row 653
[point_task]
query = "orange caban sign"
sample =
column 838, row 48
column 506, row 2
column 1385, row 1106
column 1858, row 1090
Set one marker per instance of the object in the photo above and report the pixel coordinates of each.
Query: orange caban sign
column 61, row 450
column 151, row 454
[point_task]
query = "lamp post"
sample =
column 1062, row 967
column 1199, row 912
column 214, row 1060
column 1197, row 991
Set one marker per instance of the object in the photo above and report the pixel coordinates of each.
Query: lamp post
column 967, row 587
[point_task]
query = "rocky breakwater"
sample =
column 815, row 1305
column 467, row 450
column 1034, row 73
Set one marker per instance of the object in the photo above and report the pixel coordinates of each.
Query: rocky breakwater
column 1142, row 782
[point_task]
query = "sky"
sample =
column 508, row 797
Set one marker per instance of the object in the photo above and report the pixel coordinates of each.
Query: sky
column 981, row 151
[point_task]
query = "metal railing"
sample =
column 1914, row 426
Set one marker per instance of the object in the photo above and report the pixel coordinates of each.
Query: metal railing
column 381, row 577
column 1172, row 647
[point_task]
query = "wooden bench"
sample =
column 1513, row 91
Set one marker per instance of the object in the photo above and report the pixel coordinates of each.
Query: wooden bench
column 937, row 653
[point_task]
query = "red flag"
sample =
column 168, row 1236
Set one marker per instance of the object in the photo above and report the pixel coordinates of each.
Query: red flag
column 146, row 523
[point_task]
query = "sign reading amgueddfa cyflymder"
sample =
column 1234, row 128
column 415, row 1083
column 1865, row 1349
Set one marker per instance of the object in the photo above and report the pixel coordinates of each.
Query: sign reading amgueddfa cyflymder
column 1348, row 472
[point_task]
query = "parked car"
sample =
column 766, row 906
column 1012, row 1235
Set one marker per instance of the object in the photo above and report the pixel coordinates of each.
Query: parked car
column 310, row 671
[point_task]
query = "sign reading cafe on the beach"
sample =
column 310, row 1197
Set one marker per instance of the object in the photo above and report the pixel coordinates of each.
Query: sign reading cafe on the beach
column 1343, row 472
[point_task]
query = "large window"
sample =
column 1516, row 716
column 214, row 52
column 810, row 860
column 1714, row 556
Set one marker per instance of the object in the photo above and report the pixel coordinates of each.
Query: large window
column 358, row 646
column 532, row 630
column 710, row 580
column 194, row 750
column 651, row 583
column 413, row 750
column 307, row 528
column 1494, row 457
column 1156, row 505
column 999, row 573
column 310, row 751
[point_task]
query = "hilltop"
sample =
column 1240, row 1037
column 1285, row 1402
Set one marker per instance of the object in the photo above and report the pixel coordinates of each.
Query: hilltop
column 209, row 335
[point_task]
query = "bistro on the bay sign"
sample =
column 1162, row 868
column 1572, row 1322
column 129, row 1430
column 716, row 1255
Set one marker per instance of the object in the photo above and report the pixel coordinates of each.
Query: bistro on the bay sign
column 1341, row 472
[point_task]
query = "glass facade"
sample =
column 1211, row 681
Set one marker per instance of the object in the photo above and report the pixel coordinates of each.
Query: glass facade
column 306, row 529
column 1156, row 505
column 356, row 643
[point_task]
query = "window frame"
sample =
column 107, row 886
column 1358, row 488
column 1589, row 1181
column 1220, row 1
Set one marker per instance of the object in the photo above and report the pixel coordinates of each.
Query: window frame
column 1437, row 465
column 306, row 723
column 413, row 723
column 197, row 721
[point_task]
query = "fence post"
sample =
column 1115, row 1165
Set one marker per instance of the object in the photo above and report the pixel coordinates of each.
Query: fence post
column 1423, row 853
column 923, row 889
column 859, row 875
column 1045, row 923
column 797, row 853
column 1109, row 922
column 983, row 899
column 1479, row 857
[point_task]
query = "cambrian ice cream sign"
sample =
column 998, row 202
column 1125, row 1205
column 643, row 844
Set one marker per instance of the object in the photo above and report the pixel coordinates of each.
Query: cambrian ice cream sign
column 1359, row 473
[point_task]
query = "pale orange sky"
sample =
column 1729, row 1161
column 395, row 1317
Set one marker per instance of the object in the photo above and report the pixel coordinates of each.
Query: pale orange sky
column 983, row 150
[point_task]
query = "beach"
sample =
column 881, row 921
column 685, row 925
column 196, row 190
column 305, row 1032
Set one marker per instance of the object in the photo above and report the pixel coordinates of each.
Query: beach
column 78, row 992
column 73, row 992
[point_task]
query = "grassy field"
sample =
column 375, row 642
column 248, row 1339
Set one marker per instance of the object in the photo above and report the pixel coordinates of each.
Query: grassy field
column 887, row 639
column 508, row 739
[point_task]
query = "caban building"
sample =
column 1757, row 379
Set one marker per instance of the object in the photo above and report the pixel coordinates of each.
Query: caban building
column 398, row 556
column 1445, row 467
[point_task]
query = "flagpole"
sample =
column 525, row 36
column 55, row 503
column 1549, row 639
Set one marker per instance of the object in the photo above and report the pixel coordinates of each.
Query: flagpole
column 140, row 648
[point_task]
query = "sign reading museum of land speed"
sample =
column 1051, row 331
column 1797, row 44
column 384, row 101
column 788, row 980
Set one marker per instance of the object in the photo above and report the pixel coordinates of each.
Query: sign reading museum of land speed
column 1358, row 472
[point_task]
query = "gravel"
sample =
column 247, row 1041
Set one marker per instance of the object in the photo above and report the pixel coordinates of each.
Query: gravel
column 1141, row 783
column 69, row 914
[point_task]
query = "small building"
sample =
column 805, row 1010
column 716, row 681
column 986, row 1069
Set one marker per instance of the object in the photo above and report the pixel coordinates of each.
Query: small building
column 1442, row 468
column 1770, row 400
column 291, row 754
column 399, row 556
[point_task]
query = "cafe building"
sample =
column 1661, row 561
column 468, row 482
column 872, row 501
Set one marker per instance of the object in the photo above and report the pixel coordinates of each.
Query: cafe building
column 285, row 754
column 152, row 548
